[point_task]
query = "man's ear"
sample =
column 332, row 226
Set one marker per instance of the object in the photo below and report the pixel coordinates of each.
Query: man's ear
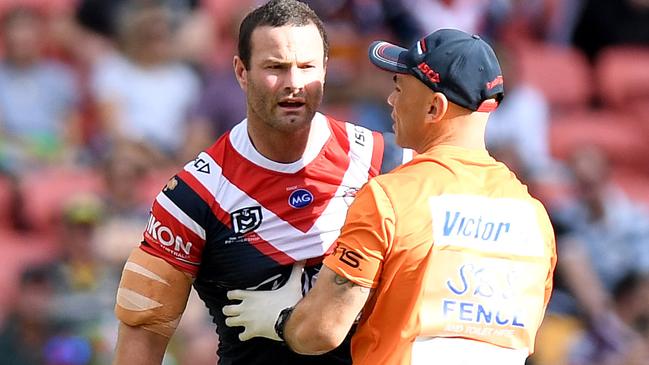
column 438, row 106
column 240, row 72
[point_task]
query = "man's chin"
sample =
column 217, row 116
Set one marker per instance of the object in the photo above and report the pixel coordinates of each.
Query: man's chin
column 294, row 120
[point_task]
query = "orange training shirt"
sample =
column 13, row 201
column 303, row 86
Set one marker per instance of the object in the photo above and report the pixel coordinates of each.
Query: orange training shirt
column 453, row 246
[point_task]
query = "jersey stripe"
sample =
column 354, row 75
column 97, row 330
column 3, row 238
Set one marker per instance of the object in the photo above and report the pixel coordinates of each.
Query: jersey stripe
column 408, row 154
column 206, row 195
column 179, row 215
column 377, row 154
column 356, row 175
column 268, row 249
column 361, row 151
column 188, row 200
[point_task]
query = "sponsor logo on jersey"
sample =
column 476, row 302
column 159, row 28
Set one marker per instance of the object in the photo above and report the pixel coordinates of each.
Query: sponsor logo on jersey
column 483, row 295
column 359, row 135
column 166, row 237
column 246, row 219
column 348, row 257
column 202, row 165
column 497, row 225
column 300, row 198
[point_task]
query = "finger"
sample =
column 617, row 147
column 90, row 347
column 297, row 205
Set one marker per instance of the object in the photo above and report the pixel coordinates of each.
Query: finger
column 231, row 310
column 245, row 335
column 233, row 321
column 296, row 273
column 236, row 294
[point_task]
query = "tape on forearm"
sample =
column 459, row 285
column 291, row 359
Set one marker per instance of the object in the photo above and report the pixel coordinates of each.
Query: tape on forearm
column 152, row 293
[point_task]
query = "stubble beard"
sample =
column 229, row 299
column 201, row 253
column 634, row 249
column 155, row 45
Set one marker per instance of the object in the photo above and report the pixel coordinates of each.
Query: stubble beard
column 267, row 112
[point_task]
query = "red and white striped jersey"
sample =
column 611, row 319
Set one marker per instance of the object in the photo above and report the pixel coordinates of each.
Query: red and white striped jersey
column 236, row 220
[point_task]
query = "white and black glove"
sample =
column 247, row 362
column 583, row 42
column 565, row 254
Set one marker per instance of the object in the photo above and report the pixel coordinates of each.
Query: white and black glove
column 259, row 310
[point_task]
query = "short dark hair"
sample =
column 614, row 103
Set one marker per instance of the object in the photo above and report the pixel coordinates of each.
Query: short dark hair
column 278, row 13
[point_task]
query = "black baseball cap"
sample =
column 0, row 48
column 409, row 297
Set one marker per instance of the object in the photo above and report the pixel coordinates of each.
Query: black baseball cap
column 457, row 64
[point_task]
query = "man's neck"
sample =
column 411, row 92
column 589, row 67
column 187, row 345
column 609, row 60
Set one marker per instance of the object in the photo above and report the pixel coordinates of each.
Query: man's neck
column 276, row 145
column 465, row 131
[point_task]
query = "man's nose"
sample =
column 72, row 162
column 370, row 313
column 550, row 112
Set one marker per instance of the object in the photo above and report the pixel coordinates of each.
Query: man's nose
column 295, row 78
column 391, row 98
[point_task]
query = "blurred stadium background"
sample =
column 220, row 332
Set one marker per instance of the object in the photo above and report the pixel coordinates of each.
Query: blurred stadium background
column 101, row 101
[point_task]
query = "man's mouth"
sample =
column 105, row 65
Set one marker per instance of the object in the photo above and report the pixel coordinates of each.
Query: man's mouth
column 291, row 104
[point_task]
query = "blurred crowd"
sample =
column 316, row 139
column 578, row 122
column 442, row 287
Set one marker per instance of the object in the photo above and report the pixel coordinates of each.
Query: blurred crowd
column 101, row 101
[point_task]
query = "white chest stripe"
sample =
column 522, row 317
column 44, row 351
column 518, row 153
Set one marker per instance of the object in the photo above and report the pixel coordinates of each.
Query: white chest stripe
column 274, row 230
column 361, row 144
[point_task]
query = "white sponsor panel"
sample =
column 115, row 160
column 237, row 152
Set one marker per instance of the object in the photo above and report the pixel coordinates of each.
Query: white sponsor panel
column 496, row 225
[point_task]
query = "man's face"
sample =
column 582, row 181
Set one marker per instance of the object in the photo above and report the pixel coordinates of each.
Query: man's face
column 285, row 78
column 409, row 108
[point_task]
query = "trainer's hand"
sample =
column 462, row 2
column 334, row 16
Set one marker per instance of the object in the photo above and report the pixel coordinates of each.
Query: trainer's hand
column 259, row 310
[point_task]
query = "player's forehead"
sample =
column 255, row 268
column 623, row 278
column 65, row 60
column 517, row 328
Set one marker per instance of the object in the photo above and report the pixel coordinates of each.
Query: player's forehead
column 288, row 42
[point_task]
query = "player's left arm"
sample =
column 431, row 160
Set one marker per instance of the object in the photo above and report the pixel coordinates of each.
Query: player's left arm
column 321, row 320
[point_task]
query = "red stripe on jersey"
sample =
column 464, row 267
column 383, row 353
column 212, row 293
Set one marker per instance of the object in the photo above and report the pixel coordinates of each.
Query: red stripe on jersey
column 256, row 241
column 203, row 193
column 267, row 249
column 377, row 154
column 272, row 189
column 153, row 249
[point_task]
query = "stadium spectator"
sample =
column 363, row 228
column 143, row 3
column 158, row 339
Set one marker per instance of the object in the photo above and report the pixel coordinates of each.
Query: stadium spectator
column 631, row 305
column 37, row 125
column 522, row 122
column 605, row 239
column 143, row 93
column 611, row 229
column 28, row 328
column 83, row 285
column 604, row 23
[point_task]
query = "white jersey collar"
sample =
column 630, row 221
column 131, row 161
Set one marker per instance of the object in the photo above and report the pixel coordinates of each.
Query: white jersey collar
column 318, row 136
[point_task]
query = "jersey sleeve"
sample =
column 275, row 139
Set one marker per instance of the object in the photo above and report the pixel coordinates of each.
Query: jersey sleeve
column 176, row 229
column 365, row 238
column 393, row 155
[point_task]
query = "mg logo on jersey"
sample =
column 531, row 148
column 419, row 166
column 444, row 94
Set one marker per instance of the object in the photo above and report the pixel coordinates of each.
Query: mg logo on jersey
column 165, row 236
column 246, row 219
column 300, row 198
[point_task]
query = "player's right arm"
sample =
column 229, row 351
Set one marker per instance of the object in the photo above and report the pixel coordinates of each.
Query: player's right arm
column 136, row 345
column 151, row 298
column 158, row 275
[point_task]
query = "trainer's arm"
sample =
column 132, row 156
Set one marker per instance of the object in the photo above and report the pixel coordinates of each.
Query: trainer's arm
column 321, row 320
column 151, row 298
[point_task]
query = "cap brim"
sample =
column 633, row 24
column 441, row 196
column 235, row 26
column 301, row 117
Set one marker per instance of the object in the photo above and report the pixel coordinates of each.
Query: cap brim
column 388, row 56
